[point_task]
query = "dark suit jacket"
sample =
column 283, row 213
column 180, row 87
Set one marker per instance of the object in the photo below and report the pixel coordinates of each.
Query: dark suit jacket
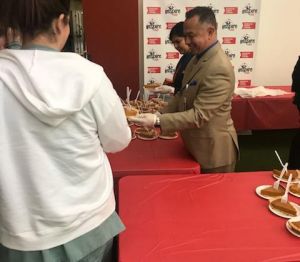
column 201, row 110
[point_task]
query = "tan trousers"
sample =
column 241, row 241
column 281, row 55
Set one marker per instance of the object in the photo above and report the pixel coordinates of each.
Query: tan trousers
column 221, row 169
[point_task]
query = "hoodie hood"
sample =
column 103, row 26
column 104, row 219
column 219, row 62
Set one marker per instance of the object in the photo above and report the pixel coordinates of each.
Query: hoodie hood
column 50, row 85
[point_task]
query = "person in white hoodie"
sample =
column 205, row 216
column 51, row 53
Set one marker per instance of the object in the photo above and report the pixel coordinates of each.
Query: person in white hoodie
column 59, row 116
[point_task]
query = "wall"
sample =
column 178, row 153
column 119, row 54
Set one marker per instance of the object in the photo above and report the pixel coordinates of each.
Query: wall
column 113, row 27
column 112, row 37
column 278, row 44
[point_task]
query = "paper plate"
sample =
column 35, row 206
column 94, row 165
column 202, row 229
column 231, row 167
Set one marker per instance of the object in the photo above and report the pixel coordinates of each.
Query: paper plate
column 146, row 138
column 288, row 227
column 282, row 214
column 294, row 194
column 258, row 192
column 168, row 137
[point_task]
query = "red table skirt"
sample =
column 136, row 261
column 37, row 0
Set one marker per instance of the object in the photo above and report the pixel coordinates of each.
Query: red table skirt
column 153, row 157
column 201, row 218
column 269, row 112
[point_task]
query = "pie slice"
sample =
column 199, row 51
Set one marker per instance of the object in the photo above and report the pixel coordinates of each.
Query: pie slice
column 152, row 85
column 286, row 208
column 295, row 226
column 147, row 134
column 272, row 191
column 294, row 188
column 130, row 111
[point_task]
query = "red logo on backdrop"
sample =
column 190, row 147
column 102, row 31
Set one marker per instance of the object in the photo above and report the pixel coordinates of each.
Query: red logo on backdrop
column 229, row 40
column 230, row 10
column 249, row 25
column 244, row 83
column 153, row 69
column 189, row 8
column 154, row 41
column 172, row 55
column 153, row 10
column 170, row 25
column 246, row 55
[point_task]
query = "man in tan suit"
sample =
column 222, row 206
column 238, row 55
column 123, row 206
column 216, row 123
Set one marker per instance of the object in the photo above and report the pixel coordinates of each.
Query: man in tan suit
column 201, row 109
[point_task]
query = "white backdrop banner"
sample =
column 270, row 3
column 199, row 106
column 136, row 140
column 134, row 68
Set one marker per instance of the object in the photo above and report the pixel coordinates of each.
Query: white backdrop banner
column 237, row 32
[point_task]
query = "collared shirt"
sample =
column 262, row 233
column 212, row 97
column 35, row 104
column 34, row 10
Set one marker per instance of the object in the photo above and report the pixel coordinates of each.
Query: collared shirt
column 203, row 52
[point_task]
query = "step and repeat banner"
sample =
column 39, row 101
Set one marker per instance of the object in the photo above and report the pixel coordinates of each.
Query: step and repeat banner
column 237, row 32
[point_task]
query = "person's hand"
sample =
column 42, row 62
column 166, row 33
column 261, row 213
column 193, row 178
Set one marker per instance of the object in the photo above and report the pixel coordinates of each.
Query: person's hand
column 164, row 89
column 146, row 120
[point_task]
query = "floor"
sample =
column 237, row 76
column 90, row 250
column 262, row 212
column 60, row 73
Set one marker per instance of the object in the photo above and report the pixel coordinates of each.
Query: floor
column 257, row 149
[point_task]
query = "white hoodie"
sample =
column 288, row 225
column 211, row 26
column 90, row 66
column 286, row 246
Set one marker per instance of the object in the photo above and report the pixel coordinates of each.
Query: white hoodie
column 59, row 114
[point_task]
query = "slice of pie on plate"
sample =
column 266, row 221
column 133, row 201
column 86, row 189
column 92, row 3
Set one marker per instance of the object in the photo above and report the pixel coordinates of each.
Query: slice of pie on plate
column 295, row 175
column 295, row 189
column 293, row 225
column 130, row 111
column 287, row 209
column 152, row 85
column 168, row 135
column 147, row 134
column 271, row 191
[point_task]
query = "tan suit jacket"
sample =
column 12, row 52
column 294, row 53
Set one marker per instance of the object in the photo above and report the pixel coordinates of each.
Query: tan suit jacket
column 201, row 110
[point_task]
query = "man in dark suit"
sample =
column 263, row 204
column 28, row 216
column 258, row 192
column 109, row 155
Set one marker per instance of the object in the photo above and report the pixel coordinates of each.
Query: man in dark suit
column 201, row 108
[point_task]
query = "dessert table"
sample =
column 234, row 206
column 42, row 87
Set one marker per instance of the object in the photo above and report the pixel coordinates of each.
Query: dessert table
column 179, row 218
column 267, row 112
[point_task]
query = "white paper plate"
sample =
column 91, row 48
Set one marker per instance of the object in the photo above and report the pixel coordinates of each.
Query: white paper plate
column 168, row 137
column 146, row 138
column 294, row 194
column 284, row 215
column 288, row 227
column 258, row 192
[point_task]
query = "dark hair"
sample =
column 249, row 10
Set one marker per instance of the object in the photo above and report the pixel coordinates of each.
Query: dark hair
column 177, row 30
column 31, row 17
column 2, row 31
column 205, row 14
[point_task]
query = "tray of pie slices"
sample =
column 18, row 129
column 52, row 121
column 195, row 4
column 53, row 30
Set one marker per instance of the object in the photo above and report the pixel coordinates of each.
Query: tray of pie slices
column 295, row 175
column 283, row 209
column 269, row 191
column 293, row 226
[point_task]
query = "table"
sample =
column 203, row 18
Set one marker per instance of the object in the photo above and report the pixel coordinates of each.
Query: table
column 268, row 112
column 209, row 218
column 153, row 157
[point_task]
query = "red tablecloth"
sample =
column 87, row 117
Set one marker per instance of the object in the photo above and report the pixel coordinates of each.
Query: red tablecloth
column 153, row 157
column 269, row 112
column 201, row 218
